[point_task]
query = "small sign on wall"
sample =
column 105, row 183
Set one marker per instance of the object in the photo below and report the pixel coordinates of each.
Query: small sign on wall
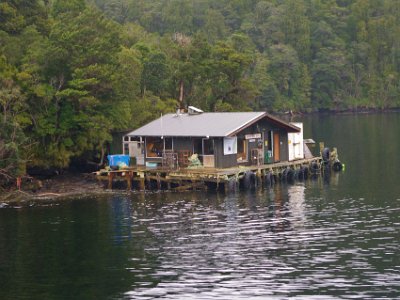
column 252, row 136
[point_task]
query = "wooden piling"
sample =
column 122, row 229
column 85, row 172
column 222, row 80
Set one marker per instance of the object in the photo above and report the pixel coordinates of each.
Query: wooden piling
column 321, row 147
column 259, row 181
column 110, row 180
column 142, row 186
column 158, row 181
column 128, row 176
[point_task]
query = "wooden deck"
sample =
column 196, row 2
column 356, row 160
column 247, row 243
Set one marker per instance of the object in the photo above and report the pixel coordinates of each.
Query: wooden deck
column 202, row 178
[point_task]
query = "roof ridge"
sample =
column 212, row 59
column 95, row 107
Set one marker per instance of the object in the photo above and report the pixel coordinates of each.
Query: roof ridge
column 213, row 124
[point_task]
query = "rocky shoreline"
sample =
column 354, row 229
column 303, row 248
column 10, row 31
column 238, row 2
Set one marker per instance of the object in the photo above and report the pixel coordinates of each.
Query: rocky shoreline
column 55, row 189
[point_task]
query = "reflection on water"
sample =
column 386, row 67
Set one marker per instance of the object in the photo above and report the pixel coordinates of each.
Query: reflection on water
column 269, row 243
column 332, row 237
column 297, row 207
column 288, row 241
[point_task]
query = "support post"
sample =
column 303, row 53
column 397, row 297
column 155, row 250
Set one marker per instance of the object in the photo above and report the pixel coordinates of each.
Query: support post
column 158, row 181
column 141, row 181
column 259, row 179
column 128, row 176
column 110, row 180
column 334, row 154
column 321, row 147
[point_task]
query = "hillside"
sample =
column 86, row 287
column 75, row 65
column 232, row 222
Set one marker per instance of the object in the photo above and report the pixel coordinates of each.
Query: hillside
column 72, row 72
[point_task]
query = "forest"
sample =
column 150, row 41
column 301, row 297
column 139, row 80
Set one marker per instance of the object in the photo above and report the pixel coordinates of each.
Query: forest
column 73, row 72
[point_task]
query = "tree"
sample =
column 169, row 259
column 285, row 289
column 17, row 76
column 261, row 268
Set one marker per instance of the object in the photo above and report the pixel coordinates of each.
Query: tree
column 296, row 28
column 12, row 138
column 83, row 106
column 291, row 78
column 214, row 26
column 227, row 76
column 12, row 101
column 13, row 144
column 155, row 70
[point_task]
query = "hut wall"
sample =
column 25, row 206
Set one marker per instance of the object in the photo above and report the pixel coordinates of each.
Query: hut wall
column 227, row 161
column 263, row 127
column 221, row 160
column 182, row 143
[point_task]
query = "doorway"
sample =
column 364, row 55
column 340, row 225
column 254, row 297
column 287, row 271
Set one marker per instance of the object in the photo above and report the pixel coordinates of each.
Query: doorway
column 277, row 143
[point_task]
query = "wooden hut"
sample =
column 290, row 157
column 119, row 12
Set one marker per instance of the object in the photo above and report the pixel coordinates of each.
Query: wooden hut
column 221, row 139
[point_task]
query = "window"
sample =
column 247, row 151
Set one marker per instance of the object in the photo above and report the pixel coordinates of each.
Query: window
column 168, row 143
column 154, row 147
column 208, row 147
column 126, row 148
column 197, row 146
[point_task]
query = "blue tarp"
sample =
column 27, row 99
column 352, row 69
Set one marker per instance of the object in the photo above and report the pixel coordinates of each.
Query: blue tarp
column 117, row 160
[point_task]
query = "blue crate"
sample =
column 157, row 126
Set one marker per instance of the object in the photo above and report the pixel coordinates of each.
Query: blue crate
column 117, row 160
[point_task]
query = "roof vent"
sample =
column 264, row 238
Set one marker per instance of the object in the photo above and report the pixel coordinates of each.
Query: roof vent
column 194, row 110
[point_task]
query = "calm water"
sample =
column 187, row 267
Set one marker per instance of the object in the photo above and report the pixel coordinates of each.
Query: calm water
column 321, row 239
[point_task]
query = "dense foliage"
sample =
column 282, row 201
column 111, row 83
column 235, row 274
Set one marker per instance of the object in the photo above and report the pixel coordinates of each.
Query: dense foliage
column 71, row 72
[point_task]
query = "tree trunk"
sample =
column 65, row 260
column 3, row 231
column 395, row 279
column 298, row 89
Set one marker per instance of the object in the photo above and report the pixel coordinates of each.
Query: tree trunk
column 181, row 94
column 102, row 156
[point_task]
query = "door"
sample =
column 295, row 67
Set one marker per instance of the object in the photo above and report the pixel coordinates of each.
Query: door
column 136, row 150
column 277, row 144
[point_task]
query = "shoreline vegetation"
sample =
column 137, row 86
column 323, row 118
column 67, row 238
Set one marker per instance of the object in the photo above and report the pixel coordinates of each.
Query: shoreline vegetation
column 74, row 72
column 75, row 185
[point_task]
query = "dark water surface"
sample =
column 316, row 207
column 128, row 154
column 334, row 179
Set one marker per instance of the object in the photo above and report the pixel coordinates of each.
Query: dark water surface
column 319, row 239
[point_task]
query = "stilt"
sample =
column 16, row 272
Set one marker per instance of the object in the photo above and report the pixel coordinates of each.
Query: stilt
column 321, row 147
column 158, row 181
column 226, row 187
column 128, row 176
column 141, row 184
column 141, row 181
column 110, row 180
column 259, row 179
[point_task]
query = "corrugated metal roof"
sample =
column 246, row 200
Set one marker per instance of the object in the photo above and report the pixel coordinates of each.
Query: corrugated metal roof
column 204, row 124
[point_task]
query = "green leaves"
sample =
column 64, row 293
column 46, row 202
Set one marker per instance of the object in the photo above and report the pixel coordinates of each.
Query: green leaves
column 10, row 20
column 13, row 144
column 70, row 75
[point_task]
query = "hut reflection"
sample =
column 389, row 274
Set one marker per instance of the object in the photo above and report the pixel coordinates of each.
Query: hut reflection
column 287, row 207
column 297, row 206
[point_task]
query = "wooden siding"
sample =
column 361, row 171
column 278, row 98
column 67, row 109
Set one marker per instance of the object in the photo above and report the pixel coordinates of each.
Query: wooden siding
column 221, row 160
column 184, row 143
column 227, row 161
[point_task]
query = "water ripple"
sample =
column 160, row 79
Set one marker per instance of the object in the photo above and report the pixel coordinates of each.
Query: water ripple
column 278, row 248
